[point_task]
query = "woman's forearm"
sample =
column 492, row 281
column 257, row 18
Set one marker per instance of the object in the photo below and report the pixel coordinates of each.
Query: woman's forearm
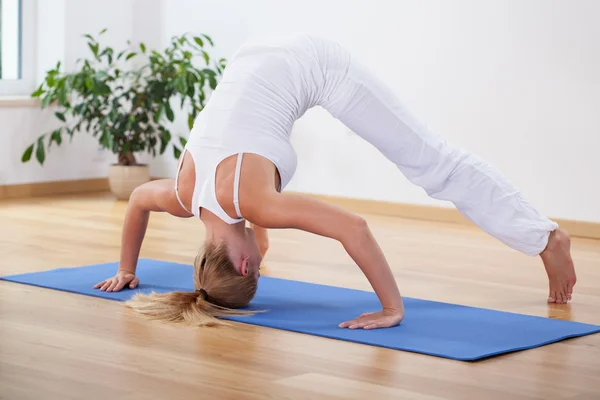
column 134, row 229
column 366, row 253
column 262, row 238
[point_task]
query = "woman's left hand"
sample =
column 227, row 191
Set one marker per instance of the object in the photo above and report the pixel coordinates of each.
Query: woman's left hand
column 381, row 319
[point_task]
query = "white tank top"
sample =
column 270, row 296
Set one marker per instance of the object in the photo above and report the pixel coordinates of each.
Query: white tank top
column 267, row 85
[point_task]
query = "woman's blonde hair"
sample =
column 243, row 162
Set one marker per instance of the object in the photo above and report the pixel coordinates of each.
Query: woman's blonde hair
column 220, row 289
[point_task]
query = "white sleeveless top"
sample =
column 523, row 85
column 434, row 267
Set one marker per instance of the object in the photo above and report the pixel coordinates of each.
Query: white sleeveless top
column 267, row 85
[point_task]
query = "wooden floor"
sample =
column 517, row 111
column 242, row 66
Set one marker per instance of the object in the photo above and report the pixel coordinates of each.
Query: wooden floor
column 56, row 345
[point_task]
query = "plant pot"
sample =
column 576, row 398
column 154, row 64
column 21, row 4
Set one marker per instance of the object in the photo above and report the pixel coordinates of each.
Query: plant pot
column 123, row 179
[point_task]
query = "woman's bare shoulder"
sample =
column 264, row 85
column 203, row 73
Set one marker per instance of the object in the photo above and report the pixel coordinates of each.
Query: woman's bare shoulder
column 258, row 180
column 159, row 195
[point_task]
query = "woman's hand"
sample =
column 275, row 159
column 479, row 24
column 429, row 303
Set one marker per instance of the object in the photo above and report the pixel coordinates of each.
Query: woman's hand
column 118, row 282
column 381, row 319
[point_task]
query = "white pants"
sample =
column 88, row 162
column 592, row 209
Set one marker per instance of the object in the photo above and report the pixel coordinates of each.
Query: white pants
column 479, row 191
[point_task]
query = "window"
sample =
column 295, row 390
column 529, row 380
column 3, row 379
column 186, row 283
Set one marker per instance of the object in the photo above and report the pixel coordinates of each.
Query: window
column 17, row 50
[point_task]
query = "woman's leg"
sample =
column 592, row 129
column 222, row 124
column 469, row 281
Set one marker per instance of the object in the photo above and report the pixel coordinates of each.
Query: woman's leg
column 478, row 190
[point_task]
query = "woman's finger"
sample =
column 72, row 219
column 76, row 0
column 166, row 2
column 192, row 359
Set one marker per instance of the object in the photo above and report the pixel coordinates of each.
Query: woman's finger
column 375, row 325
column 134, row 283
column 114, row 283
column 97, row 285
column 349, row 323
column 106, row 285
column 120, row 283
column 362, row 322
column 346, row 324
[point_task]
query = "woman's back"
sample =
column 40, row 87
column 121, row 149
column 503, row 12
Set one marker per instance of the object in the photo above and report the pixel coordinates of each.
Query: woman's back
column 268, row 84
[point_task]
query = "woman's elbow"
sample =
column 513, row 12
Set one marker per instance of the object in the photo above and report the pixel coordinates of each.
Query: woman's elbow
column 359, row 223
column 355, row 231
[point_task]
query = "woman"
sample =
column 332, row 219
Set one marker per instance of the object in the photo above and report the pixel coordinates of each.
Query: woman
column 239, row 158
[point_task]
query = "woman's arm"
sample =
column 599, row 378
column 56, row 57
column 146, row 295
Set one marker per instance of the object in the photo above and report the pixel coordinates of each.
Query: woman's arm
column 262, row 238
column 294, row 211
column 157, row 196
column 152, row 196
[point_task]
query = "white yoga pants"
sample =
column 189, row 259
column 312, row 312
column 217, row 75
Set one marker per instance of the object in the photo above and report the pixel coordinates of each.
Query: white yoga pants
column 478, row 190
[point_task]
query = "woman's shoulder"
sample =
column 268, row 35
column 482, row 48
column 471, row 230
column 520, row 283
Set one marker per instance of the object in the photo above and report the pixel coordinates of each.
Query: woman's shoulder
column 245, row 178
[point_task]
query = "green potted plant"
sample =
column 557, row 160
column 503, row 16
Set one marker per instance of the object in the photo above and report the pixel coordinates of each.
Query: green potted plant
column 125, row 99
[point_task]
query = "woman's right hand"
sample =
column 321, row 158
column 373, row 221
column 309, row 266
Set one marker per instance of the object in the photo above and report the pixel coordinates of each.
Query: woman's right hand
column 118, row 282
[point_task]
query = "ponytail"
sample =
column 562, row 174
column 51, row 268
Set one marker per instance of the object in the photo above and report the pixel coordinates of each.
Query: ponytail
column 184, row 307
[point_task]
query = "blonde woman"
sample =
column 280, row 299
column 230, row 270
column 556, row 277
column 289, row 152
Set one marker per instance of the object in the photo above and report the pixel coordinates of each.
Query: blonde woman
column 239, row 158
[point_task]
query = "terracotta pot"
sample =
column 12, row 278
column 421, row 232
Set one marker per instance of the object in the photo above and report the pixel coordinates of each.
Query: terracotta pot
column 122, row 179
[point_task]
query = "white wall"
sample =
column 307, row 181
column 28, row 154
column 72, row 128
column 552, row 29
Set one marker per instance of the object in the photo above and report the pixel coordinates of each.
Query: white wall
column 513, row 81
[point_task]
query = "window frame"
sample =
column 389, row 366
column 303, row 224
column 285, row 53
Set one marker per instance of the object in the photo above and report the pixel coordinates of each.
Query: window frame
column 24, row 86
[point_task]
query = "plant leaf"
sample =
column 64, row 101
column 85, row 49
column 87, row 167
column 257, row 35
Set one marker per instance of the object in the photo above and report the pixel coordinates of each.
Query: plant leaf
column 190, row 121
column 158, row 114
column 47, row 99
column 209, row 39
column 164, row 140
column 182, row 85
column 40, row 153
column 70, row 82
column 40, row 91
column 106, row 139
column 94, row 48
column 27, row 154
column 50, row 80
column 191, row 79
column 60, row 116
column 143, row 47
column 102, row 75
column 176, row 152
column 55, row 137
column 212, row 82
column 130, row 56
column 182, row 140
column 102, row 31
column 198, row 41
column 206, row 57
column 88, row 36
column 169, row 111
column 221, row 65
column 62, row 95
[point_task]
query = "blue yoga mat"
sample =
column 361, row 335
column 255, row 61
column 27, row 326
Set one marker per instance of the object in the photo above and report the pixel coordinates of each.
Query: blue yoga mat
column 433, row 328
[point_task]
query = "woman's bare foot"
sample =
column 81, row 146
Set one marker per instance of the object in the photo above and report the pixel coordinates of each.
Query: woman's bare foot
column 559, row 267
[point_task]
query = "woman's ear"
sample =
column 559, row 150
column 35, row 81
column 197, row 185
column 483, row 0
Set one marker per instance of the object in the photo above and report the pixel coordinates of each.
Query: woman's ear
column 244, row 267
